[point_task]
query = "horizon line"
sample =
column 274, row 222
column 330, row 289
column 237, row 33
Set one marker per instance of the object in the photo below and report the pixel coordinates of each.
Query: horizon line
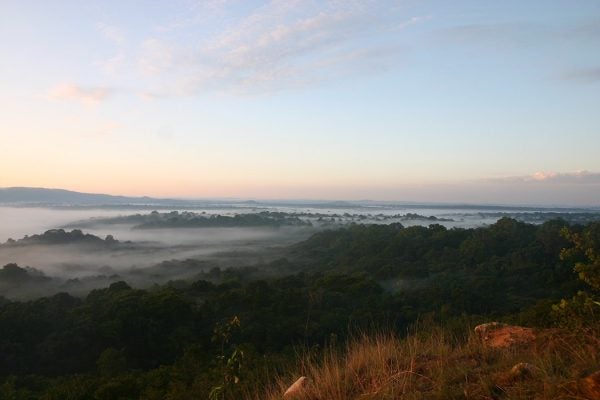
column 318, row 200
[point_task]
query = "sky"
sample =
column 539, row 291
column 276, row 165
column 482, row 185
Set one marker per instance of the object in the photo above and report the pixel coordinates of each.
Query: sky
column 480, row 101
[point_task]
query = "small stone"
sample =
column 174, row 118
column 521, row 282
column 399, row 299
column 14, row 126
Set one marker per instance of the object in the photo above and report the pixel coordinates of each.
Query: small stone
column 483, row 329
column 296, row 388
column 590, row 386
column 523, row 370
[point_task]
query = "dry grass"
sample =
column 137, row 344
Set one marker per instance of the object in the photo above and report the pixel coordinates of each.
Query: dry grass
column 433, row 365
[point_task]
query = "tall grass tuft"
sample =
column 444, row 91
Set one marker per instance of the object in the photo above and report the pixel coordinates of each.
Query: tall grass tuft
column 433, row 364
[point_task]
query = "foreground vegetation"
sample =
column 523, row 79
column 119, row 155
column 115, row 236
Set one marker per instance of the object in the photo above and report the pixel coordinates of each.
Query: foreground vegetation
column 432, row 363
column 229, row 334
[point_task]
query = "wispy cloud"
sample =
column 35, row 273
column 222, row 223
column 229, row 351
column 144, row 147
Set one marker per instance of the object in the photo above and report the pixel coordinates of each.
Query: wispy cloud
column 413, row 21
column 518, row 34
column 578, row 177
column 529, row 38
column 115, row 35
column 84, row 95
column 158, row 56
column 196, row 12
column 111, row 32
column 584, row 75
column 587, row 29
column 491, row 36
column 280, row 45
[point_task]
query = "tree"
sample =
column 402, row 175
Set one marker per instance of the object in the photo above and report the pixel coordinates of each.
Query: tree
column 584, row 308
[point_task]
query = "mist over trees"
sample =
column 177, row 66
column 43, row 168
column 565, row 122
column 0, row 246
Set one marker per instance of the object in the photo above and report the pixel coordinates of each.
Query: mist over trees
column 188, row 219
column 353, row 279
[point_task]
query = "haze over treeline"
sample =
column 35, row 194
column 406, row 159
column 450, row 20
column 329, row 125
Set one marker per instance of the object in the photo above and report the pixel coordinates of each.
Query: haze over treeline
column 108, row 337
column 211, row 199
column 76, row 247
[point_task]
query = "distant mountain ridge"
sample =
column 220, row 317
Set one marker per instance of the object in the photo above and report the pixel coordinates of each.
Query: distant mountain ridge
column 43, row 196
column 61, row 197
column 32, row 196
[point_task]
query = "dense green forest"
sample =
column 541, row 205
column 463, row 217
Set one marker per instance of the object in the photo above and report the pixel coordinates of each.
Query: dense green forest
column 60, row 236
column 187, row 339
column 188, row 219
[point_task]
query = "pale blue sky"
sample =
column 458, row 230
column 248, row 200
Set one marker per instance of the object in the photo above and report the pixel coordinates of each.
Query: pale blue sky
column 404, row 100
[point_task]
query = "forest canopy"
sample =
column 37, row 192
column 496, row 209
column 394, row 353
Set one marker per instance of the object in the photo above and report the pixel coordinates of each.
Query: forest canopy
column 357, row 278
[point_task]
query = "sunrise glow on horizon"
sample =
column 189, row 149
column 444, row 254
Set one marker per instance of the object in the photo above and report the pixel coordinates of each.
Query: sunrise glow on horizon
column 385, row 100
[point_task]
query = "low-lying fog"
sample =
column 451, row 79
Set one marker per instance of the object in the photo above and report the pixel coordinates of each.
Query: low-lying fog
column 140, row 255
column 148, row 247
column 236, row 245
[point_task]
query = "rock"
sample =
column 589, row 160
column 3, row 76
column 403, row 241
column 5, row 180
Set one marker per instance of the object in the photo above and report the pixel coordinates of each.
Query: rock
column 483, row 329
column 501, row 336
column 523, row 370
column 590, row 386
column 519, row 372
column 296, row 388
